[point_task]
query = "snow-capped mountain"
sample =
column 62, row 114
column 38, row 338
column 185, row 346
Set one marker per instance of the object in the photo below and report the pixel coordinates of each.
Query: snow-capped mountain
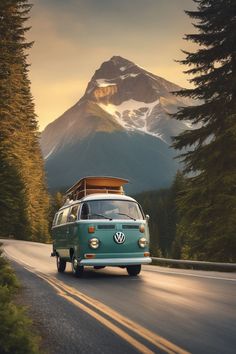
column 123, row 117
column 137, row 100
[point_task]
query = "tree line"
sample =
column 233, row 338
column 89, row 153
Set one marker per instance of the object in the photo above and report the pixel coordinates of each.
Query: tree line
column 170, row 233
column 24, row 200
column 196, row 217
column 208, row 152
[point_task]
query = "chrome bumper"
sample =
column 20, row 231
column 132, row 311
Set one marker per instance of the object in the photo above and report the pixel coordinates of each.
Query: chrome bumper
column 115, row 261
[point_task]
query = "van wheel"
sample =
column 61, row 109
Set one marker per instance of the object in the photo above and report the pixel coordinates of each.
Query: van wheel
column 134, row 270
column 77, row 270
column 61, row 264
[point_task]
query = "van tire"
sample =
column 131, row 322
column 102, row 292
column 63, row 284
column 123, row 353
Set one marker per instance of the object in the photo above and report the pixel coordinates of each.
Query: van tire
column 77, row 270
column 133, row 270
column 61, row 264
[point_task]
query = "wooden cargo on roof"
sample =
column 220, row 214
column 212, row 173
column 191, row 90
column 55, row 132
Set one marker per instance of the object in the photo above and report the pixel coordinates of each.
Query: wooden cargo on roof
column 90, row 185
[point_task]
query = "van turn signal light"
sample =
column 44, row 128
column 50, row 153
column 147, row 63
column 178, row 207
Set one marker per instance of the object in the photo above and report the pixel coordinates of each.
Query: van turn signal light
column 90, row 255
column 141, row 228
column 146, row 254
column 91, row 229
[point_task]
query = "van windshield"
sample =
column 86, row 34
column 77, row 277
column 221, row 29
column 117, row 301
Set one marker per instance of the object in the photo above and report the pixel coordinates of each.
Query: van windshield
column 111, row 209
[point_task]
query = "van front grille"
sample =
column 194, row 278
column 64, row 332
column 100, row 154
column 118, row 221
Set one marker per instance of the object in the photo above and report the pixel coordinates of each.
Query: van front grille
column 106, row 227
column 134, row 227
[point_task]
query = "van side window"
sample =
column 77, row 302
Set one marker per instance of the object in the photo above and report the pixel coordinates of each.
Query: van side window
column 73, row 215
column 84, row 211
column 62, row 218
column 59, row 218
column 54, row 220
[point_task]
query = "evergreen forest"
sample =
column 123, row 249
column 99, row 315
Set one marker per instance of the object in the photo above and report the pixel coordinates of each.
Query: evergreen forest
column 24, row 200
column 207, row 205
column 196, row 218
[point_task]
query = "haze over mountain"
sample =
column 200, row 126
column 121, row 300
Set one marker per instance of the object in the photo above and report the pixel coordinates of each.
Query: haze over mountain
column 121, row 127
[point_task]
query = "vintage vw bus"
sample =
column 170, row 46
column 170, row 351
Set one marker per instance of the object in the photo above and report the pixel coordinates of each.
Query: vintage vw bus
column 100, row 226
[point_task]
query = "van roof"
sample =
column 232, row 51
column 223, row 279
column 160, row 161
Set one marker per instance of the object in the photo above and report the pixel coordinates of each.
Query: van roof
column 106, row 196
column 100, row 196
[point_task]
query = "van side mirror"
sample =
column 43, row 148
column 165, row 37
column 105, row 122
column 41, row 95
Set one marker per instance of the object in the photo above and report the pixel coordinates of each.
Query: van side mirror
column 147, row 217
column 72, row 218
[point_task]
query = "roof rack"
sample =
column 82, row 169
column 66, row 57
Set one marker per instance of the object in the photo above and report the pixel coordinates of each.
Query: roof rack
column 95, row 184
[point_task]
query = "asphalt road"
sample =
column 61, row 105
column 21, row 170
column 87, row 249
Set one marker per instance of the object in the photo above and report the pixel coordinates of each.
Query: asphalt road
column 161, row 311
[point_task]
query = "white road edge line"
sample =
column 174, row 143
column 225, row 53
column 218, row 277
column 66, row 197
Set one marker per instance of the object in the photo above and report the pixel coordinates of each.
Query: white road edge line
column 17, row 260
column 190, row 275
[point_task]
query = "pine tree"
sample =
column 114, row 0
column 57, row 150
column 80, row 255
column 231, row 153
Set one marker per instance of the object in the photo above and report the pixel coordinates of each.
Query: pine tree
column 208, row 205
column 161, row 205
column 56, row 202
column 23, row 197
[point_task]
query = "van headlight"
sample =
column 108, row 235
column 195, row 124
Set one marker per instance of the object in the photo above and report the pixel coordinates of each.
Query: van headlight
column 143, row 242
column 94, row 243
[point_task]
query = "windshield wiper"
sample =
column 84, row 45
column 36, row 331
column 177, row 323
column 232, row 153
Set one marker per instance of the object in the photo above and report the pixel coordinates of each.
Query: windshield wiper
column 127, row 215
column 103, row 216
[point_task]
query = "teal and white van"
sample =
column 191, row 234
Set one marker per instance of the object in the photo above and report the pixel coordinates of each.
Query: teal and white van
column 99, row 226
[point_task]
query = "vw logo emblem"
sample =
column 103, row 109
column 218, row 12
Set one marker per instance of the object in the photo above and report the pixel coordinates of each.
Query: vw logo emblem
column 119, row 237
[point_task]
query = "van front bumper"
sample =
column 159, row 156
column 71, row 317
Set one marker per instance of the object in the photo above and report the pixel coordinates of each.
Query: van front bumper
column 115, row 261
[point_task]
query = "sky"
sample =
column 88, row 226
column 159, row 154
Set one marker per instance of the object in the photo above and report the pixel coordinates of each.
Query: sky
column 72, row 38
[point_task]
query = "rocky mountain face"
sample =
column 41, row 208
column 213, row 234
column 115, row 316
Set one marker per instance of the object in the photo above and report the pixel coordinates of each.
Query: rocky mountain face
column 121, row 127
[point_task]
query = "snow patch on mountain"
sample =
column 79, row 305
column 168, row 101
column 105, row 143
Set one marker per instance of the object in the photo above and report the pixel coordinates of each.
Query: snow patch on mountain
column 50, row 153
column 132, row 115
column 129, row 105
column 123, row 77
column 104, row 83
column 107, row 82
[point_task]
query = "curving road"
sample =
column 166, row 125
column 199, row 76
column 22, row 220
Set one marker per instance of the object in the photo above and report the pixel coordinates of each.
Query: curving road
column 161, row 311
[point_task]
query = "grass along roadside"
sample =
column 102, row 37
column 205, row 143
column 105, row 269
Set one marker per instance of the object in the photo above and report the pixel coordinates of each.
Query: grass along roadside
column 17, row 336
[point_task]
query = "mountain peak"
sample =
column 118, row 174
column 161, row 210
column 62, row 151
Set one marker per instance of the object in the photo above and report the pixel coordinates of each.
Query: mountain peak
column 118, row 60
column 119, row 80
column 113, row 68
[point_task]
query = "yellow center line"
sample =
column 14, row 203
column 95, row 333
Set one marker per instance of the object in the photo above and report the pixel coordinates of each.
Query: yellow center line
column 63, row 290
column 138, row 345
column 148, row 335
